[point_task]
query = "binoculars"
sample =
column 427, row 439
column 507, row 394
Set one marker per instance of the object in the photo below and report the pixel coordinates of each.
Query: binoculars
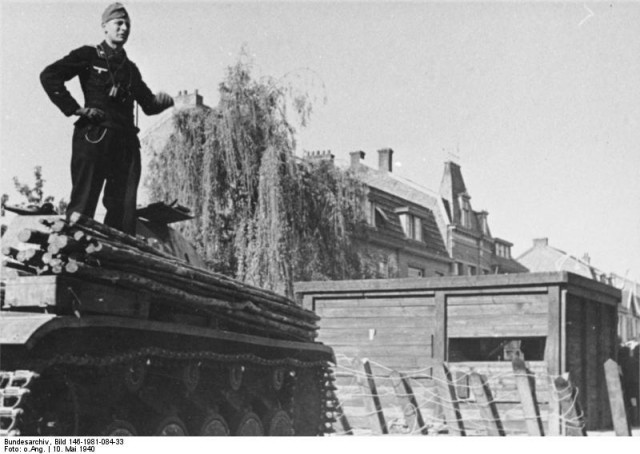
column 117, row 93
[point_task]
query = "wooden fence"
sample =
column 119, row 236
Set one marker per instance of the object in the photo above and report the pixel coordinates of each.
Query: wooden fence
column 444, row 400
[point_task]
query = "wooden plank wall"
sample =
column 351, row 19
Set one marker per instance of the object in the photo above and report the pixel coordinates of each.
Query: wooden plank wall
column 401, row 324
column 591, row 333
column 394, row 331
column 520, row 315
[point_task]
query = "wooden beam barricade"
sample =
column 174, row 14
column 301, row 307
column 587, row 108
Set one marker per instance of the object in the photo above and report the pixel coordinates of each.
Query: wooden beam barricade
column 107, row 250
column 375, row 398
column 554, row 428
column 570, row 413
column 105, row 236
column 449, row 401
column 488, row 409
column 97, row 253
column 616, row 399
column 408, row 402
column 526, row 384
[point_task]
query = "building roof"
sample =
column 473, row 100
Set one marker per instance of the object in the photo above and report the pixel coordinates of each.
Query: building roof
column 543, row 257
column 508, row 265
column 401, row 193
column 405, row 189
column 452, row 189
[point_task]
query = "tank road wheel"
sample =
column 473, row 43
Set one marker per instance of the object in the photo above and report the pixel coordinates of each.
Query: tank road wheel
column 235, row 376
column 191, row 376
column 119, row 428
column 214, row 425
column 171, row 426
column 279, row 424
column 249, row 425
column 134, row 375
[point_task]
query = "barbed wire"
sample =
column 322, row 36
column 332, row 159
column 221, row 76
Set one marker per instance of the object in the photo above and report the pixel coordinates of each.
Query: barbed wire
column 432, row 394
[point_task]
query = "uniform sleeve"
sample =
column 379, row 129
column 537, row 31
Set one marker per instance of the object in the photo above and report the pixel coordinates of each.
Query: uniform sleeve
column 145, row 97
column 54, row 76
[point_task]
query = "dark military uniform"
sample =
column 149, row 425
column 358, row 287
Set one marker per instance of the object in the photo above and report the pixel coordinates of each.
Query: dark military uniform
column 106, row 150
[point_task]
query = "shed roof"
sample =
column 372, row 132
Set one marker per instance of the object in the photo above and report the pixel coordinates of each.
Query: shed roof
column 511, row 282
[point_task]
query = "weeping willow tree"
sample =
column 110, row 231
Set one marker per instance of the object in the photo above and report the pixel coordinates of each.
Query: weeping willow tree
column 263, row 215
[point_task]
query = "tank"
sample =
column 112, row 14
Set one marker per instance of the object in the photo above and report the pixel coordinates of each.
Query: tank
column 114, row 335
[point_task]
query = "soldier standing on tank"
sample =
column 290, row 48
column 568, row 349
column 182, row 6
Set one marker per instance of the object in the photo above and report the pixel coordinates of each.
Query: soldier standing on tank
column 105, row 140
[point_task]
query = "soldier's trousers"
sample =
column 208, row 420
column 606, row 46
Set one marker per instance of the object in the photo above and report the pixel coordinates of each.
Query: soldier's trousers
column 109, row 158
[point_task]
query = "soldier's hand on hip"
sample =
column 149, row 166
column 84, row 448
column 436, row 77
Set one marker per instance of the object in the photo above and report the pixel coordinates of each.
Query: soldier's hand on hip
column 92, row 113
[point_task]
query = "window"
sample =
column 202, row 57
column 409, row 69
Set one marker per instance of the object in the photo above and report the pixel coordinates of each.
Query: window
column 496, row 348
column 457, row 269
column 411, row 226
column 465, row 217
column 465, row 210
column 417, row 228
column 379, row 218
column 415, row 272
column 502, row 250
column 472, row 270
column 407, row 225
column 376, row 216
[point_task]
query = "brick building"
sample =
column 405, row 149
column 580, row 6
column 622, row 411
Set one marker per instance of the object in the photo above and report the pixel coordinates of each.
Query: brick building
column 469, row 240
column 405, row 222
column 425, row 233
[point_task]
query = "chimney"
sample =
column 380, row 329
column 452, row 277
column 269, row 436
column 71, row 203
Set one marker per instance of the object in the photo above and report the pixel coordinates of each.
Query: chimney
column 385, row 159
column 586, row 258
column 540, row 242
column 319, row 155
column 356, row 158
column 186, row 99
column 484, row 225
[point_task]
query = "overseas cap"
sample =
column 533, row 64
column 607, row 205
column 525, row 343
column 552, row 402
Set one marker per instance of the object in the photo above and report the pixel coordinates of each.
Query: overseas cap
column 114, row 11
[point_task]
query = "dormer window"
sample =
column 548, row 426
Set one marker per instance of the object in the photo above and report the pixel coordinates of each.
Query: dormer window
column 376, row 217
column 411, row 224
column 503, row 250
column 379, row 217
column 465, row 210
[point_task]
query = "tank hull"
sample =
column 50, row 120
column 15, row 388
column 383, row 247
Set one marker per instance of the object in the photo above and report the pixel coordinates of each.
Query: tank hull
column 103, row 333
column 96, row 375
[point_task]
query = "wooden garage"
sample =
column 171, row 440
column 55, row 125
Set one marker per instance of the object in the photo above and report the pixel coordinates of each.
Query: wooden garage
column 560, row 322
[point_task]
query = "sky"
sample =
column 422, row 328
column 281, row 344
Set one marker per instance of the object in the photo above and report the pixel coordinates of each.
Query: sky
column 538, row 102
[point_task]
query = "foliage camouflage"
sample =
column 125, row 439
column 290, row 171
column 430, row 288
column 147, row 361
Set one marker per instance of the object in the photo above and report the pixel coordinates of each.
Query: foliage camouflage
column 35, row 194
column 263, row 215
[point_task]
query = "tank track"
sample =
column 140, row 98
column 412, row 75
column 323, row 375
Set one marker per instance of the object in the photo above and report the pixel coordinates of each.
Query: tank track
column 16, row 386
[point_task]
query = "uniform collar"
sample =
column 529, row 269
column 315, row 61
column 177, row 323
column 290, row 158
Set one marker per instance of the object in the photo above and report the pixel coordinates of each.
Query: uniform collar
column 111, row 53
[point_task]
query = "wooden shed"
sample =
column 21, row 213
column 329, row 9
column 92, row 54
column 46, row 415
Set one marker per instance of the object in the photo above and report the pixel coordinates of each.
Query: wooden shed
column 560, row 322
